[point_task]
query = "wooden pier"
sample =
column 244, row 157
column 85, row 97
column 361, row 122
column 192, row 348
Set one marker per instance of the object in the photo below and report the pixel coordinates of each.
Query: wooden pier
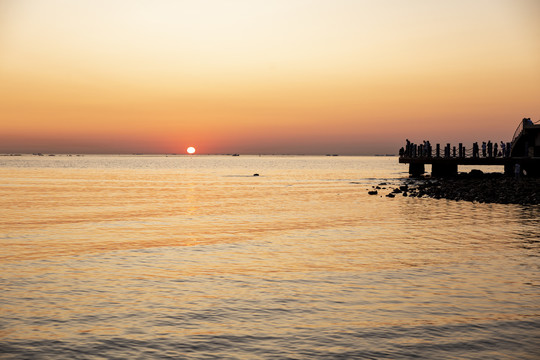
column 523, row 151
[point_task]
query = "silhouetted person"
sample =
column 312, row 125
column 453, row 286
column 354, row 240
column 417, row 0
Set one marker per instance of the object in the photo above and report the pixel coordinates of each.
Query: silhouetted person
column 495, row 150
column 490, row 148
column 408, row 148
column 475, row 150
column 484, row 149
column 503, row 149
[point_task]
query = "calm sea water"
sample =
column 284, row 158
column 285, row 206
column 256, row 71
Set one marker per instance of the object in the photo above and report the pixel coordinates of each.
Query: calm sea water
column 140, row 257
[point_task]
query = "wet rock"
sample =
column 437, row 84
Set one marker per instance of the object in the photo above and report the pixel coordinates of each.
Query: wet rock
column 390, row 195
column 476, row 173
column 373, row 192
column 479, row 187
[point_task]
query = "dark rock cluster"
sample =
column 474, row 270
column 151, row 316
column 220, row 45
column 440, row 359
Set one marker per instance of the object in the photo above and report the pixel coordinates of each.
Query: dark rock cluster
column 474, row 187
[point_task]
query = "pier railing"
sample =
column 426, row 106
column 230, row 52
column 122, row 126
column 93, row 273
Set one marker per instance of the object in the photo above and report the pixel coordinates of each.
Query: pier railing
column 486, row 150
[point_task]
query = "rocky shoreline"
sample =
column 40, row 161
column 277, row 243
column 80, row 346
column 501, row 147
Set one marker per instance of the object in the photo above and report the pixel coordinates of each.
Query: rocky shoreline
column 474, row 187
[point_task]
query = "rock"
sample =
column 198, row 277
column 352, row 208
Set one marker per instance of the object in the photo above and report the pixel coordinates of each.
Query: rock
column 390, row 195
column 476, row 174
column 255, row 174
column 476, row 187
column 373, row 192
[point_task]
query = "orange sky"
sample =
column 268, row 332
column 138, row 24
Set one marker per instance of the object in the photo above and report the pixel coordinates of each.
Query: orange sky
column 258, row 76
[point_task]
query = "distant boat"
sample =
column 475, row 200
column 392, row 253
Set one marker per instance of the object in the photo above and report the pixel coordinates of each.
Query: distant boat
column 235, row 154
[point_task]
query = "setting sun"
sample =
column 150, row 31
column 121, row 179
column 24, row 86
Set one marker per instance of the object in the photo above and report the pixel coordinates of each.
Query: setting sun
column 191, row 150
column 263, row 77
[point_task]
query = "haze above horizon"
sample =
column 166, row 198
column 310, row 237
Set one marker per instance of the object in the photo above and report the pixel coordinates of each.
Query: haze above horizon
column 264, row 77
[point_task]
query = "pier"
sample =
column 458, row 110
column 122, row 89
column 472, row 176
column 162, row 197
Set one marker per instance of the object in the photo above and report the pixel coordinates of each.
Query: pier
column 521, row 156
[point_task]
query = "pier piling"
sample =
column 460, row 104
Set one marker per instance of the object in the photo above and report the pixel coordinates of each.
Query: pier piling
column 416, row 169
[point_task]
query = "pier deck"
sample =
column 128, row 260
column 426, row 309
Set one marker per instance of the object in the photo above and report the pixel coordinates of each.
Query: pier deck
column 448, row 166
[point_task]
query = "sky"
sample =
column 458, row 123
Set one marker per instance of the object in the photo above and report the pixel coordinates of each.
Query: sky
column 349, row 77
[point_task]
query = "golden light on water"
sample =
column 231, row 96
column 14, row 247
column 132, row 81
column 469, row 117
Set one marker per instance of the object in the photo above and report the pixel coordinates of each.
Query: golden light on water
column 204, row 252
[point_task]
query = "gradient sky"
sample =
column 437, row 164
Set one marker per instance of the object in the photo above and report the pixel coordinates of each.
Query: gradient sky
column 259, row 76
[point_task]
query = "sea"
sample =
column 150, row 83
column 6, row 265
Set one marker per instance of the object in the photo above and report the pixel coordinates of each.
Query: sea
column 257, row 257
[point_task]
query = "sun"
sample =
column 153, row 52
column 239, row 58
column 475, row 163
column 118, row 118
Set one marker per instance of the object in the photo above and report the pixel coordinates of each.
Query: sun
column 191, row 150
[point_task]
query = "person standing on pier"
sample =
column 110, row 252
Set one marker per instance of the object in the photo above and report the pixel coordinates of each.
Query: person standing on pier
column 475, row 150
column 495, row 150
column 490, row 148
column 503, row 149
column 483, row 148
column 408, row 148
